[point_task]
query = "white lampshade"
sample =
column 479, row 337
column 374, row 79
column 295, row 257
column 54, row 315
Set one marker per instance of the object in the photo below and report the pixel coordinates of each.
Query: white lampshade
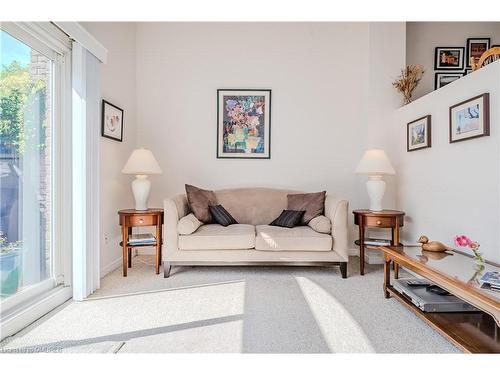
column 375, row 162
column 141, row 162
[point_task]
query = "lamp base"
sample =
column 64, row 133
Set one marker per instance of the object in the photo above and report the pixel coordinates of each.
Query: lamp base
column 141, row 187
column 376, row 189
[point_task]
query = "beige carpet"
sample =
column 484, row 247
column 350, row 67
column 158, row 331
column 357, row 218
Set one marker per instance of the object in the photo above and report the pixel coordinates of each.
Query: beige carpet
column 233, row 309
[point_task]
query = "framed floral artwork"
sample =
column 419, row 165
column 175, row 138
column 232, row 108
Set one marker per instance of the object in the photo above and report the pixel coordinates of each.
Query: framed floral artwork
column 244, row 123
column 418, row 134
column 470, row 118
column 111, row 121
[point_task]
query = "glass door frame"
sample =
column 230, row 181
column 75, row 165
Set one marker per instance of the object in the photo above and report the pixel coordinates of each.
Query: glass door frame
column 47, row 39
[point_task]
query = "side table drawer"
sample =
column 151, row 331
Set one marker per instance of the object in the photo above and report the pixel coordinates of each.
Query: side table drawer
column 138, row 220
column 381, row 222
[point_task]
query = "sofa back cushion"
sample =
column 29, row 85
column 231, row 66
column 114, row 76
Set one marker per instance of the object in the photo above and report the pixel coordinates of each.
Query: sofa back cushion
column 255, row 206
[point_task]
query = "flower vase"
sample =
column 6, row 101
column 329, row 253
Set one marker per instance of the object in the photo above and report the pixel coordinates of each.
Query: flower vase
column 478, row 257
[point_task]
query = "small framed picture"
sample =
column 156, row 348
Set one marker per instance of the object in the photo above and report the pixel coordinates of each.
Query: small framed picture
column 244, row 124
column 470, row 119
column 418, row 134
column 442, row 79
column 449, row 58
column 476, row 47
column 112, row 121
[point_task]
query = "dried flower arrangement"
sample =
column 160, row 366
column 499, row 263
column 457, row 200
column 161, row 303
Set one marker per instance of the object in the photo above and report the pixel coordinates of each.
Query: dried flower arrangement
column 408, row 80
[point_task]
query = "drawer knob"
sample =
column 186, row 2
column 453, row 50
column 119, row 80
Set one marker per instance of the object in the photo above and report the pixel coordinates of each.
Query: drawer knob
column 141, row 221
column 379, row 222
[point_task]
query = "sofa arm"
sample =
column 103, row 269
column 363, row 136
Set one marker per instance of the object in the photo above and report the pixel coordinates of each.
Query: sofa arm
column 336, row 210
column 174, row 209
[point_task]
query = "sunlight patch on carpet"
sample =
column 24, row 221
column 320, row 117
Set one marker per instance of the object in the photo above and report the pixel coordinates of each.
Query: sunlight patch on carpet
column 340, row 330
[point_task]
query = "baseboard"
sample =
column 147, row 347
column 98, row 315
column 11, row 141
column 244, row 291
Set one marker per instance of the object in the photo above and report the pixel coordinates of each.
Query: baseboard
column 110, row 267
column 353, row 252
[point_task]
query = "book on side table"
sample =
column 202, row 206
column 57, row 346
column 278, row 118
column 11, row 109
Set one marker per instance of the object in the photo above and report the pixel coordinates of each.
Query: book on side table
column 142, row 239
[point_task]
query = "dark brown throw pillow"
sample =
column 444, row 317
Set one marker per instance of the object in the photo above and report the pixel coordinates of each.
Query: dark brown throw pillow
column 221, row 216
column 288, row 219
column 312, row 203
column 199, row 200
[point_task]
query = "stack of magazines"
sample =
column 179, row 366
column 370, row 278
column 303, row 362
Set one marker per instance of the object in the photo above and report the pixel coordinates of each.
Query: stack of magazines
column 491, row 280
column 142, row 239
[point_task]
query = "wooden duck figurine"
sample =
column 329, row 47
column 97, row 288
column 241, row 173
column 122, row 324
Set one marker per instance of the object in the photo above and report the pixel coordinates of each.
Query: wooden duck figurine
column 434, row 246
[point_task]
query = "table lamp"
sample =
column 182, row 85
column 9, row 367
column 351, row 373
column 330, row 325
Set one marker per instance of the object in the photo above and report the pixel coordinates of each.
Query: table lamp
column 375, row 164
column 141, row 163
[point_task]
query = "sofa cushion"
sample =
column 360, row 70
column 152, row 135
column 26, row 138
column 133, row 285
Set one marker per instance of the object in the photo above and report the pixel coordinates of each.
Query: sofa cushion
column 188, row 224
column 312, row 203
column 221, row 216
column 199, row 200
column 300, row 238
column 321, row 224
column 217, row 237
column 288, row 219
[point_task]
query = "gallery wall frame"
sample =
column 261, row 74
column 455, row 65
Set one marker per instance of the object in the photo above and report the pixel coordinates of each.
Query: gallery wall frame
column 470, row 118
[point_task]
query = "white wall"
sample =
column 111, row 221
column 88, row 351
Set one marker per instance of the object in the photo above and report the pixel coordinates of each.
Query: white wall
column 454, row 188
column 118, row 86
column 319, row 75
column 424, row 37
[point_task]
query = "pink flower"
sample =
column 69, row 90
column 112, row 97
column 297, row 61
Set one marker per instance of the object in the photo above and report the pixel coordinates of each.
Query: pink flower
column 462, row 241
column 474, row 245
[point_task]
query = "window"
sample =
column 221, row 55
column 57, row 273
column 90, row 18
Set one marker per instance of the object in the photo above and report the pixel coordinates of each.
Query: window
column 25, row 166
column 32, row 86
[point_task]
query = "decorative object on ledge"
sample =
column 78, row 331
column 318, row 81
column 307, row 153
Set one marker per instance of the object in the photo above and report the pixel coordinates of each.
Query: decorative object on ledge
column 418, row 134
column 441, row 79
column 449, row 58
column 470, row 119
column 491, row 55
column 244, row 124
column 111, row 121
column 475, row 49
column 433, row 246
column 408, row 81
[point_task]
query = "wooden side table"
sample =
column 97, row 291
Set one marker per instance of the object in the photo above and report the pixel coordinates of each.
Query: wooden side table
column 133, row 218
column 377, row 219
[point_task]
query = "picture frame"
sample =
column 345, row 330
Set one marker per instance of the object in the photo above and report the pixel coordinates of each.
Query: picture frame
column 441, row 79
column 449, row 58
column 476, row 47
column 470, row 118
column 467, row 71
column 418, row 134
column 111, row 121
column 244, row 124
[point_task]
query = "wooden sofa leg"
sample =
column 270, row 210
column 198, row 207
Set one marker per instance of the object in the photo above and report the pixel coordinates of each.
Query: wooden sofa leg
column 166, row 269
column 343, row 269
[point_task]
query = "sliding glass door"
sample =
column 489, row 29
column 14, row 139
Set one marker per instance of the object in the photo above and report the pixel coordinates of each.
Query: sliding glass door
column 30, row 116
column 26, row 82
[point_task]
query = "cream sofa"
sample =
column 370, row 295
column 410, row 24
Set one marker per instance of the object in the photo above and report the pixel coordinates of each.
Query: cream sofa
column 253, row 241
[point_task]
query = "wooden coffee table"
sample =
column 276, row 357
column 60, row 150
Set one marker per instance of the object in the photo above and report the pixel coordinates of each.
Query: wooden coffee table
column 458, row 273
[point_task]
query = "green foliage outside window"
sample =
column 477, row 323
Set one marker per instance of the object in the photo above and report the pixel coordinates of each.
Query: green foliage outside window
column 17, row 91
